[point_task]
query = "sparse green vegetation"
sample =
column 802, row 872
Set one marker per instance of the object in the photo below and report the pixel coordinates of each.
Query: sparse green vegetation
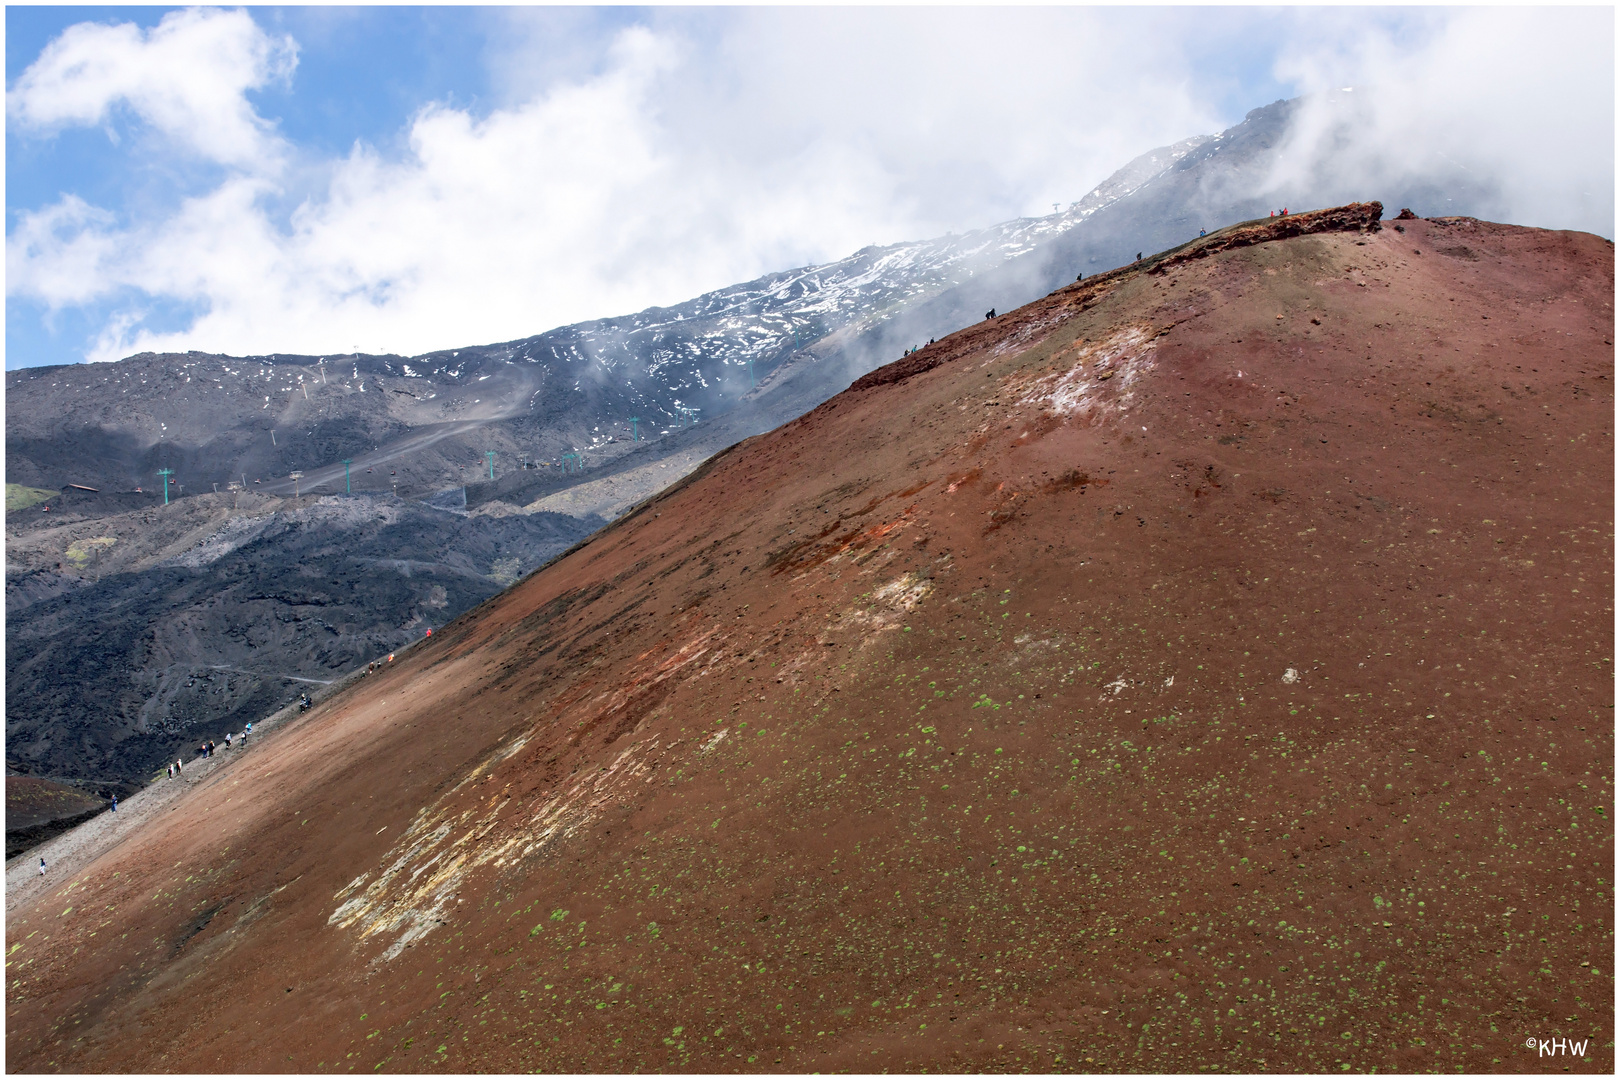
column 80, row 552
column 19, row 497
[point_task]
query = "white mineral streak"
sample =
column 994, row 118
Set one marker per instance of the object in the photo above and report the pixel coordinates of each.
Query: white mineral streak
column 428, row 864
column 904, row 593
column 1096, row 377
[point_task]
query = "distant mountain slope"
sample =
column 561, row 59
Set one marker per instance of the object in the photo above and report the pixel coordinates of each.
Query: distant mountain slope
column 766, row 350
column 211, row 418
column 38, row 809
column 1166, row 200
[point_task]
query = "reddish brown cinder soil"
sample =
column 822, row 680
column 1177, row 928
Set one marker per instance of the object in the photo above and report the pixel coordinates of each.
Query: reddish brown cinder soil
column 1205, row 667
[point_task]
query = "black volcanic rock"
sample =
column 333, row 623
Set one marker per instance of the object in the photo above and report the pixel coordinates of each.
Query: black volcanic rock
column 109, row 679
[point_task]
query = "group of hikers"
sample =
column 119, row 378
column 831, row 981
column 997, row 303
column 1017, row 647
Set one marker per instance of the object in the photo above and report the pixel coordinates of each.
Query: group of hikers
column 377, row 665
column 206, row 748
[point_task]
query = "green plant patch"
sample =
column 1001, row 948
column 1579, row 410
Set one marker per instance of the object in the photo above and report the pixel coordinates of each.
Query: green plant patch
column 19, row 497
column 80, row 551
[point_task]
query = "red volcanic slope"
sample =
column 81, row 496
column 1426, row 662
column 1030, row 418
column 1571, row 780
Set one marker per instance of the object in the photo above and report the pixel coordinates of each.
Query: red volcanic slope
column 1207, row 666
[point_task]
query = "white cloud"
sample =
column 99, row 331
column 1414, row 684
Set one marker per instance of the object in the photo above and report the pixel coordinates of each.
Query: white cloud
column 683, row 163
column 57, row 254
column 705, row 148
column 185, row 78
column 1514, row 104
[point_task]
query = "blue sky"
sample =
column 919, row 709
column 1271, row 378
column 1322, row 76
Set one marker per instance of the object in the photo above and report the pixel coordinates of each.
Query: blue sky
column 405, row 179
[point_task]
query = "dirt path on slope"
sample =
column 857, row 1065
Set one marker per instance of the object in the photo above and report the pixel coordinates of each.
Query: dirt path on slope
column 410, row 444
column 68, row 854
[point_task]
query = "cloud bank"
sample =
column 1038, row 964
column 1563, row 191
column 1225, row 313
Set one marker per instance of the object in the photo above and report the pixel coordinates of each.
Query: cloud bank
column 1515, row 104
column 692, row 150
column 186, row 78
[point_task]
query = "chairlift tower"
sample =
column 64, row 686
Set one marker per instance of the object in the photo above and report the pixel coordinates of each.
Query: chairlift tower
column 165, row 473
column 489, row 458
column 296, row 476
column 635, row 435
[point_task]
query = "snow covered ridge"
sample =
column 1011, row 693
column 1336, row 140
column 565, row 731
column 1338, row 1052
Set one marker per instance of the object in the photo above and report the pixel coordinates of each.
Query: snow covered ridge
column 680, row 351
column 782, row 313
column 788, row 310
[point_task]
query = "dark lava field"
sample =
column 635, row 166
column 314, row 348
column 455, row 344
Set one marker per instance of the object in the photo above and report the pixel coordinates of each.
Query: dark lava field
column 165, row 626
column 1206, row 667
